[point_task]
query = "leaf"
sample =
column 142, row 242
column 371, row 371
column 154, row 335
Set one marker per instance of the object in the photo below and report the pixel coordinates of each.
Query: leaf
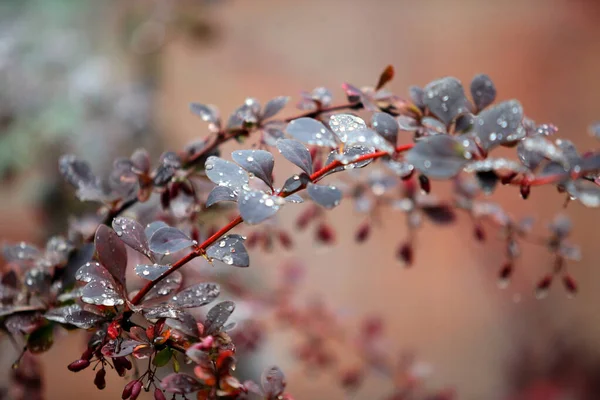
column 294, row 198
column 295, row 182
column 273, row 106
column 499, row 124
column 417, row 96
column 256, row 206
column 168, row 240
column 446, row 99
column 112, row 253
column 230, row 250
column 588, row 193
column 132, row 233
column 197, row 295
column 207, row 113
column 311, row 131
column 273, row 382
column 344, row 125
column 73, row 314
column 326, row 196
column 153, row 227
column 20, row 252
column 386, row 76
column 220, row 193
column 186, row 324
column 162, row 311
column 349, row 156
column 483, row 91
column 163, row 357
column 296, row 153
column 120, row 348
column 41, row 340
column 217, row 317
column 495, row 164
column 226, row 173
column 79, row 174
column 437, row 157
column 101, row 293
column 258, row 162
column 386, row 126
column 546, row 149
column 180, row 384
column 151, row 272
column 166, row 286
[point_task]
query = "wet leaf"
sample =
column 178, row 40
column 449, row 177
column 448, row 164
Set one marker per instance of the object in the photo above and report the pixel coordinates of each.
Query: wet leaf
column 345, row 125
column 169, row 240
column 132, row 233
column 349, row 156
column 79, row 174
column 275, row 105
column 20, row 252
column 197, row 295
column 218, row 316
column 152, row 271
column 166, row 286
column 153, row 227
column 273, row 382
column 226, row 173
column 74, row 315
column 41, row 340
column 255, row 206
column 588, row 193
column 180, row 384
column 207, row 113
column 438, row 157
column 499, row 124
column 101, row 293
column 386, row 126
column 483, row 91
column 446, row 99
column 311, row 131
column 230, row 250
column 120, row 348
column 296, row 153
column 326, row 196
column 163, row 357
column 112, row 253
column 221, row 193
column 258, row 162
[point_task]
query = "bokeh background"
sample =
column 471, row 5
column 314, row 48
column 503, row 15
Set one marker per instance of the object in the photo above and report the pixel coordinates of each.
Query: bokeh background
column 102, row 77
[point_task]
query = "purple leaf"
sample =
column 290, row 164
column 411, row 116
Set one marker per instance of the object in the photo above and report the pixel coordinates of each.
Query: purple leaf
column 207, row 113
column 153, row 227
column 230, row 250
column 483, row 91
column 180, row 384
column 296, row 153
column 217, row 317
column 220, row 193
column 132, row 233
column 386, row 126
column 326, row 196
column 112, row 253
column 446, row 99
column 120, row 348
column 438, row 157
column 258, row 162
column 101, row 293
column 273, row 106
column 169, row 240
column 311, row 131
column 74, row 315
column 151, row 272
column 499, row 124
column 197, row 295
column 273, row 382
column 256, row 206
column 166, row 286
column 226, row 173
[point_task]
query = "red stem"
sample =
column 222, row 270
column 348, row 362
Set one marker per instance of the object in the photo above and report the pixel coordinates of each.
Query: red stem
column 200, row 249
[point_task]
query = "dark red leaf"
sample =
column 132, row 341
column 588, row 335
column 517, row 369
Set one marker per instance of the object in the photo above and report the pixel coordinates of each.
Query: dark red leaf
column 112, row 253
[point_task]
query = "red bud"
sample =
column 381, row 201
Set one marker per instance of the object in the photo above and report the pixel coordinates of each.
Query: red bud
column 425, row 183
column 325, row 233
column 79, row 365
column 525, row 190
column 479, row 233
column 505, row 274
column 541, row 290
column 136, row 389
column 285, row 239
column 405, row 253
column 100, row 379
column 159, row 395
column 363, row 232
column 87, row 354
column 127, row 390
column 570, row 285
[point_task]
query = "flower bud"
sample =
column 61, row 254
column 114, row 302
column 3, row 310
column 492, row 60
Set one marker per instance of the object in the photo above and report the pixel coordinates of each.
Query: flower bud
column 525, row 190
column 363, row 232
column 405, row 253
column 100, row 379
column 136, row 389
column 87, row 354
column 479, row 233
column 325, row 233
column 570, row 285
column 285, row 239
column 425, row 183
column 541, row 289
column 127, row 390
column 159, row 395
column 78, row 365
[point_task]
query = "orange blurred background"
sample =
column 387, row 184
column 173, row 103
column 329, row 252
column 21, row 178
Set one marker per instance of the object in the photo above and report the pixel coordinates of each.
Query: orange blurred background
column 447, row 308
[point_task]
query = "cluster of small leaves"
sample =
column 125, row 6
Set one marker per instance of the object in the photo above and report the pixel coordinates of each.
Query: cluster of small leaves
column 438, row 133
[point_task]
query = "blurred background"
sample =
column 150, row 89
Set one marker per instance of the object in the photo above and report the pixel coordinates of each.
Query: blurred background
column 100, row 78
